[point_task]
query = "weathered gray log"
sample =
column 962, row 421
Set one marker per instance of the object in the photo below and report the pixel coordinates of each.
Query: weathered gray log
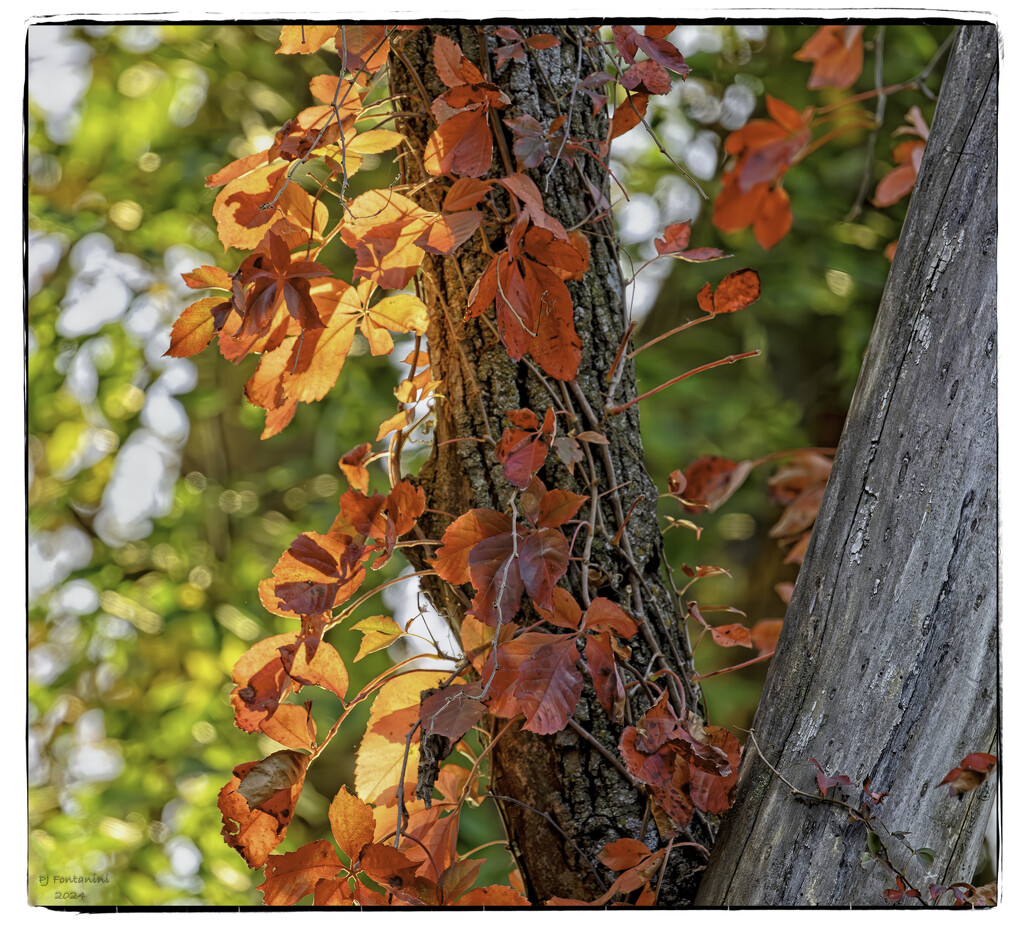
column 888, row 658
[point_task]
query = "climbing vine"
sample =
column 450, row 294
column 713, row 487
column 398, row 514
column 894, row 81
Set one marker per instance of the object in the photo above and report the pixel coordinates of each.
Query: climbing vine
column 530, row 646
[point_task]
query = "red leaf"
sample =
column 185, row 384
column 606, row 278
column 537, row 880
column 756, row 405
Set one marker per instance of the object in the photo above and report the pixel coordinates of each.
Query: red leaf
column 549, row 686
column 494, row 572
column 543, row 559
column 605, row 676
column 521, row 455
column 712, row 480
column 452, row 711
column 827, row 782
column 604, row 615
column 974, row 769
column 512, row 654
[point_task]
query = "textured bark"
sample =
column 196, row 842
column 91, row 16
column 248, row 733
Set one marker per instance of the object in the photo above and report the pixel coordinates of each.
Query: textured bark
column 887, row 663
column 561, row 780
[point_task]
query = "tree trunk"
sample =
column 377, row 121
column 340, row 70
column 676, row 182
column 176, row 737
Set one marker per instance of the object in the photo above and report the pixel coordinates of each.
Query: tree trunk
column 560, row 797
column 888, row 657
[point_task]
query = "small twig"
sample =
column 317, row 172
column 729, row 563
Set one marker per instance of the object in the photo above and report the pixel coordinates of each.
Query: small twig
column 742, row 665
column 668, row 334
column 555, row 825
column 731, row 359
column 568, row 119
column 604, row 751
column 664, row 864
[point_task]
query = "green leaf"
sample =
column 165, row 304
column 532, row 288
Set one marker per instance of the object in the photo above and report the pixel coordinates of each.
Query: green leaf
column 379, row 633
column 925, row 856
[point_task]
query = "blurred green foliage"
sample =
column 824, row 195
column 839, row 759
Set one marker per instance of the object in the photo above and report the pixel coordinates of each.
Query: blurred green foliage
column 821, row 286
column 132, row 640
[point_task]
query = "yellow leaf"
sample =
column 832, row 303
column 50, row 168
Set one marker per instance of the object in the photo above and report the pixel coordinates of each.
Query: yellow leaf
column 400, row 313
column 304, row 39
column 379, row 758
column 374, row 141
column 378, row 633
column 398, row 421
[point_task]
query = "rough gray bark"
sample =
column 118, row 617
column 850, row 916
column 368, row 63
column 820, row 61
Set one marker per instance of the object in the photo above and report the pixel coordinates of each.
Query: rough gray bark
column 887, row 662
column 562, row 779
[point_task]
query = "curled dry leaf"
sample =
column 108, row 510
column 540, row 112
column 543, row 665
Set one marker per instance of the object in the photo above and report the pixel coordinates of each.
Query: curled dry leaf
column 973, row 770
column 254, row 831
column 711, row 480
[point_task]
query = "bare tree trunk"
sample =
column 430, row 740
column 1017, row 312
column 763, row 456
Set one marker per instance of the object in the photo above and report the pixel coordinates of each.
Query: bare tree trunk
column 888, row 658
column 562, row 800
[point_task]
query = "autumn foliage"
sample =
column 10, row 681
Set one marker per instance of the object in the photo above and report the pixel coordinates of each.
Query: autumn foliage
column 529, row 644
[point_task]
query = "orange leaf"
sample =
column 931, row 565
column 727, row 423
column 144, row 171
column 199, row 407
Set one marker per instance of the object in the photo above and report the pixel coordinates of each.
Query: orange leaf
column 604, row 615
column 207, row 277
column 465, row 194
column 304, row 39
column 494, row 895
column 352, row 823
column 557, row 347
column 379, row 760
column 325, row 670
column 558, row 507
column 838, row 56
column 460, row 146
column 353, row 466
column 384, row 228
column 194, row 328
column 388, row 866
column 731, row 634
column 765, row 634
column 398, row 421
column 462, row 535
column 366, row 48
column 291, row 725
column 332, row 893
column 623, row 853
column 241, row 218
column 628, row 114
column 291, row 876
column 260, row 681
